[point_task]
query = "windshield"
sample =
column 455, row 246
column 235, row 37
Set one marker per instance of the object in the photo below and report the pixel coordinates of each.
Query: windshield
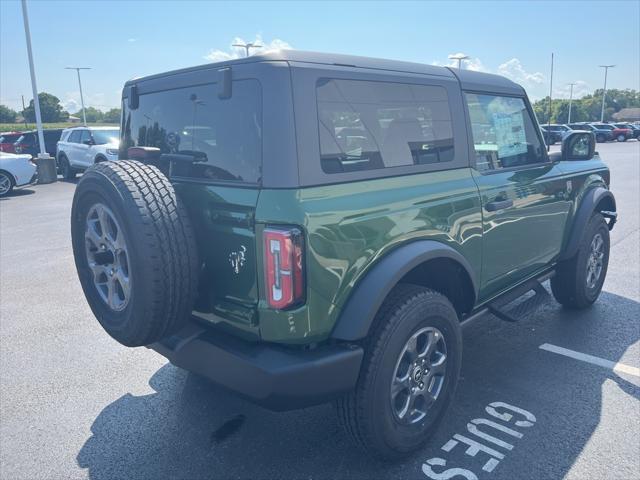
column 102, row 137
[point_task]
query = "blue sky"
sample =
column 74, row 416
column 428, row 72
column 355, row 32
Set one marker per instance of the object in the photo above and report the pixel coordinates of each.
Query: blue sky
column 121, row 40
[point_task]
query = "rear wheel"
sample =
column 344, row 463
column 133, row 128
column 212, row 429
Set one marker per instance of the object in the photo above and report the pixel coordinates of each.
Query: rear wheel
column 578, row 281
column 6, row 183
column 409, row 374
column 66, row 170
column 134, row 250
column 622, row 138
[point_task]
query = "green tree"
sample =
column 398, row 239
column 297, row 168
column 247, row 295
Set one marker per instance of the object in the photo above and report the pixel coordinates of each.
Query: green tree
column 50, row 109
column 93, row 114
column 7, row 115
column 587, row 108
column 112, row 116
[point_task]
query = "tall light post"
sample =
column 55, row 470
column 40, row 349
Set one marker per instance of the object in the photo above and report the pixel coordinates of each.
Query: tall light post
column 570, row 100
column 77, row 69
column 459, row 57
column 550, row 94
column 46, row 164
column 604, row 91
column 246, row 46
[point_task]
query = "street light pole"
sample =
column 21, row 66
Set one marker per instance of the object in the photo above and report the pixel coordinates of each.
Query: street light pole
column 77, row 69
column 36, row 100
column 46, row 164
column 246, row 46
column 550, row 94
column 570, row 100
column 604, row 91
column 459, row 58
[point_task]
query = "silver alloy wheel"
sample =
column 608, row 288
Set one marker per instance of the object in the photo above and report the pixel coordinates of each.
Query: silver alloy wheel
column 5, row 184
column 595, row 261
column 419, row 375
column 107, row 257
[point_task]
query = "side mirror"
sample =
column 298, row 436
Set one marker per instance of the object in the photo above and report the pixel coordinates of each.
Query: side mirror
column 579, row 145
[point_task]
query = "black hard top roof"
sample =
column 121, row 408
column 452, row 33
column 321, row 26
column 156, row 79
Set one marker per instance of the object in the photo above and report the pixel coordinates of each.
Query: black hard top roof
column 469, row 79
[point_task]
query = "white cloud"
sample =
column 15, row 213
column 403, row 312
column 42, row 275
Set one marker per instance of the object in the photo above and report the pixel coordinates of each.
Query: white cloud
column 132, row 40
column 216, row 55
column 71, row 101
column 514, row 70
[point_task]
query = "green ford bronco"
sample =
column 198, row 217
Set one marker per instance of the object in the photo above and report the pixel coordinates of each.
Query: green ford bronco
column 305, row 227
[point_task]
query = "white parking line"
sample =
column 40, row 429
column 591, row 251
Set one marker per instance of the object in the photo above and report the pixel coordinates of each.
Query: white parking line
column 601, row 362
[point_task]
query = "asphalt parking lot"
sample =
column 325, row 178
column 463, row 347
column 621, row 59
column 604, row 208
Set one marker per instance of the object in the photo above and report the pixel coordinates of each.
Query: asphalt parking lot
column 75, row 404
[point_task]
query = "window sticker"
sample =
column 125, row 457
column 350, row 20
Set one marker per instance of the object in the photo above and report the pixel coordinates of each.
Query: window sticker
column 510, row 134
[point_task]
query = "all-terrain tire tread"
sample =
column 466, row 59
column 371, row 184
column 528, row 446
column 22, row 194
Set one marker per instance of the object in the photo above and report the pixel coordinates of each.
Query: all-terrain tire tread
column 350, row 407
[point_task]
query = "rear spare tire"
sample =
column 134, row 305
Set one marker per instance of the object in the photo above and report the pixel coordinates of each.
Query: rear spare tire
column 134, row 250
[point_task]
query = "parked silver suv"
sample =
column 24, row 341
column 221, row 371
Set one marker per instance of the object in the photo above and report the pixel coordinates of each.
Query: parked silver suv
column 81, row 147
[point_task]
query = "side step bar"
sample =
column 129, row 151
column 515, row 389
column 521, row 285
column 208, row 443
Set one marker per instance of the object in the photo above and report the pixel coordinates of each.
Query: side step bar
column 497, row 305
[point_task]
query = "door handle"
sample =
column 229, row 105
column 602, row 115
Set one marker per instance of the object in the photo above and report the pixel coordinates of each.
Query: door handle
column 498, row 205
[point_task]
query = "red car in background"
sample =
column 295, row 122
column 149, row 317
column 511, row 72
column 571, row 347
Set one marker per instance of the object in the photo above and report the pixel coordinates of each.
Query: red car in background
column 620, row 134
column 7, row 139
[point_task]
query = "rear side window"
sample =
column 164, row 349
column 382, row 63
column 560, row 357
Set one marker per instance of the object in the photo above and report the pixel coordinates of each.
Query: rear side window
column 202, row 136
column 367, row 125
column 504, row 134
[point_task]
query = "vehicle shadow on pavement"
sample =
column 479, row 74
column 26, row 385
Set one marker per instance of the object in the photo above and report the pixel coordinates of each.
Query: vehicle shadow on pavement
column 18, row 193
column 190, row 428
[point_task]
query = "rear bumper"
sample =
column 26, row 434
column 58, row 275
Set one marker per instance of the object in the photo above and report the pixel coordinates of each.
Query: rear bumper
column 275, row 377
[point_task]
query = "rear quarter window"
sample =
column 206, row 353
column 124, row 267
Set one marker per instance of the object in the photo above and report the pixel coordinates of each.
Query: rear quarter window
column 202, row 136
column 366, row 125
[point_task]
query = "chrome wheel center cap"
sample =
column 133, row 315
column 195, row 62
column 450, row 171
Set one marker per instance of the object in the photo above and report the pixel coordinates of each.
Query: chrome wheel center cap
column 418, row 373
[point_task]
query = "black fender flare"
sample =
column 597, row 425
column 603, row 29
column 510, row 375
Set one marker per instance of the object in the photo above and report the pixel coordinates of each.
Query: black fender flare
column 364, row 302
column 585, row 210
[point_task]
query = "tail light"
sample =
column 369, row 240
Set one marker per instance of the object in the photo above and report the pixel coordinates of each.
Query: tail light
column 284, row 267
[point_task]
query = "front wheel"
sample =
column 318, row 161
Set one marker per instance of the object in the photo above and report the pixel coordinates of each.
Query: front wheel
column 622, row 138
column 600, row 138
column 578, row 281
column 408, row 376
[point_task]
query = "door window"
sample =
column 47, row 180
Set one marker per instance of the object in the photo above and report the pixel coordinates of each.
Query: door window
column 86, row 135
column 504, row 134
column 74, row 137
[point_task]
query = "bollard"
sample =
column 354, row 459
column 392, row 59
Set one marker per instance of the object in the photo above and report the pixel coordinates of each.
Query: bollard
column 47, row 169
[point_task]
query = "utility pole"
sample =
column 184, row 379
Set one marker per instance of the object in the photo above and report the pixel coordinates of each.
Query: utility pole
column 46, row 164
column 459, row 58
column 604, row 91
column 570, row 100
column 77, row 69
column 246, row 46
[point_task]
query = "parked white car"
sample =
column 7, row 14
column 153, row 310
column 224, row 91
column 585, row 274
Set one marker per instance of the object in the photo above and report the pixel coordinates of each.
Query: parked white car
column 15, row 171
column 81, row 147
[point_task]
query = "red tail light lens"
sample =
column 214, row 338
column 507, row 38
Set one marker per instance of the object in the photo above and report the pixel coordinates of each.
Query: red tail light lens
column 284, row 267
